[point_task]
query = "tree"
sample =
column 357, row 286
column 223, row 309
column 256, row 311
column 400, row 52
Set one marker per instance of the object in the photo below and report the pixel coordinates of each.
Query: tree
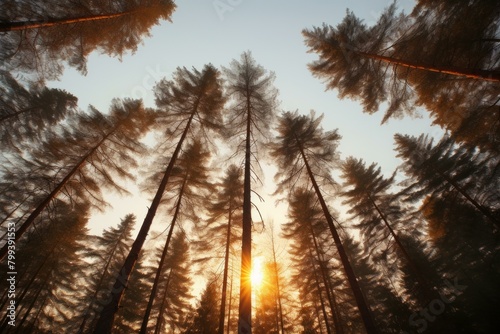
column 379, row 212
column 206, row 317
column 314, row 260
column 42, row 37
column 190, row 96
column 27, row 114
column 52, row 290
column 444, row 167
column 222, row 227
column 193, row 190
column 455, row 76
column 129, row 316
column 174, row 301
column 252, row 110
column 456, row 232
column 302, row 145
column 88, row 155
column 111, row 249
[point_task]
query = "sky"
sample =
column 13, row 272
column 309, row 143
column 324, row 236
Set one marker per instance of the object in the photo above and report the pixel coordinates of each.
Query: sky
column 218, row 31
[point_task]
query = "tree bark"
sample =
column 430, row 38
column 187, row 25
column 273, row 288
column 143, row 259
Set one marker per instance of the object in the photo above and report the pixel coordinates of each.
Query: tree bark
column 278, row 287
column 144, row 326
column 105, row 322
column 364, row 310
column 322, row 302
column 245, row 306
column 456, row 71
column 222, row 314
column 159, row 322
column 51, row 22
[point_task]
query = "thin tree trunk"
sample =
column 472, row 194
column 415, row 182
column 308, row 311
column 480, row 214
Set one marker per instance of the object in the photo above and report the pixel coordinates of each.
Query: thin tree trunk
column 105, row 322
column 478, row 206
column 98, row 285
column 473, row 74
column 42, row 205
column 230, row 300
column 159, row 322
column 278, row 288
column 222, row 314
column 320, row 295
column 364, row 310
column 51, row 22
column 407, row 256
column 145, row 319
column 245, row 307
column 17, row 113
column 331, row 298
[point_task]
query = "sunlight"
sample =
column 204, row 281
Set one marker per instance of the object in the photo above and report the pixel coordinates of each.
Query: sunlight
column 257, row 275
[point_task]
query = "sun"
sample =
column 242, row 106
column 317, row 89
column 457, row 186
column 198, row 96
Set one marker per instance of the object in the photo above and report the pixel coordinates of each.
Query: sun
column 257, row 274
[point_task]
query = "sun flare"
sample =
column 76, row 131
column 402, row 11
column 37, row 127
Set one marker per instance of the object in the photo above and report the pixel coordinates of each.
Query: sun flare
column 257, row 274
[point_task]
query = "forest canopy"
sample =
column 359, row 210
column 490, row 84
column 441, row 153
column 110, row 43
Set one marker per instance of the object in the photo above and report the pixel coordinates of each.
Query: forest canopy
column 331, row 243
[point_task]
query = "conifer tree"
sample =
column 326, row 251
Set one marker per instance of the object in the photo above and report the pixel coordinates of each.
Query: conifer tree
column 223, row 228
column 252, row 110
column 52, row 289
column 91, row 153
column 111, row 249
column 192, row 104
column 42, row 37
column 27, row 115
column 302, row 151
column 445, row 167
column 191, row 180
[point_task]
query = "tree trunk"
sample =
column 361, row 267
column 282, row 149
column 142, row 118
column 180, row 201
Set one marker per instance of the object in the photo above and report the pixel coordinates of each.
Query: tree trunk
column 278, row 288
column 320, row 295
column 230, row 300
column 17, row 113
column 478, row 206
column 42, row 205
column 331, row 298
column 98, row 285
column 409, row 260
column 51, row 22
column 245, row 307
column 159, row 321
column 364, row 310
column 144, row 326
column 222, row 314
column 461, row 72
column 106, row 318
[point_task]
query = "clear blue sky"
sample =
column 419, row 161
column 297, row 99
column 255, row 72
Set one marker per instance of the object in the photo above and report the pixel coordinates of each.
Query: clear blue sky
column 216, row 32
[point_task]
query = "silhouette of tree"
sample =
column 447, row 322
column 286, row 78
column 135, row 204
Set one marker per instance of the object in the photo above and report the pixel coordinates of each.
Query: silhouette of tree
column 252, row 111
column 111, row 249
column 191, row 181
column 431, row 58
column 52, row 293
column 222, row 228
column 173, row 291
column 41, row 37
column 206, row 317
column 380, row 213
column 89, row 154
column 302, row 147
column 27, row 115
column 445, row 167
column 129, row 316
column 191, row 96
column 458, row 231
